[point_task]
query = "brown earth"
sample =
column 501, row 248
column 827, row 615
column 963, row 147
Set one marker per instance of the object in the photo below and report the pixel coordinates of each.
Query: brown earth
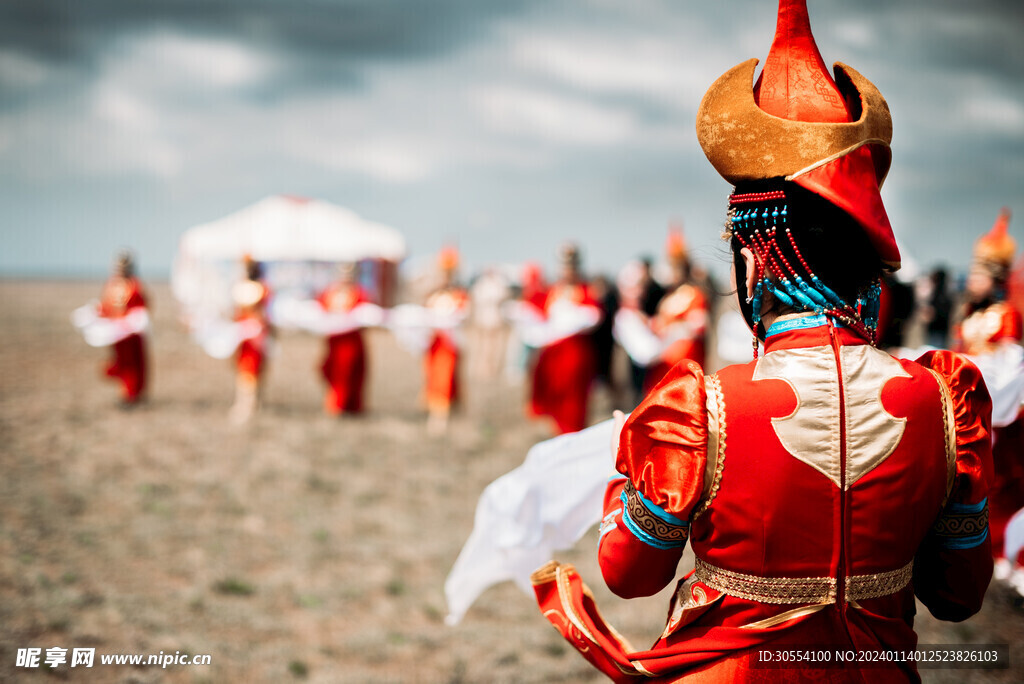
column 297, row 548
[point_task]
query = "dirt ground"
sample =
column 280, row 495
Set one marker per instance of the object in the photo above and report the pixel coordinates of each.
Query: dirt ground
column 297, row 548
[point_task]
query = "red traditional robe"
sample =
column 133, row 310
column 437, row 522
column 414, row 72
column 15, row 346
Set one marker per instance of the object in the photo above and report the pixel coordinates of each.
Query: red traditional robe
column 565, row 369
column 980, row 333
column 685, row 304
column 344, row 367
column 822, row 488
column 441, row 364
column 251, row 299
column 121, row 295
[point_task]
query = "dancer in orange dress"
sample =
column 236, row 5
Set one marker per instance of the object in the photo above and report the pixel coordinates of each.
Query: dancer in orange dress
column 566, row 366
column 991, row 323
column 250, row 297
column 344, row 367
column 447, row 305
column 122, row 295
column 826, row 485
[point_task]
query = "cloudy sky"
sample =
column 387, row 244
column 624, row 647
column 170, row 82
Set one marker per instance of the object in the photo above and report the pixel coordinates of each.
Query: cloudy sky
column 506, row 126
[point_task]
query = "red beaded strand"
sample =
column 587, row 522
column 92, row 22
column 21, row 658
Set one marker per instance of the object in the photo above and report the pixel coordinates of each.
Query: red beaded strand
column 750, row 197
column 769, row 257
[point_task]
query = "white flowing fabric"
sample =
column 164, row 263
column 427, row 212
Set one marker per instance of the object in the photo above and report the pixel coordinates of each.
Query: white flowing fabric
column 220, row 338
column 1003, row 371
column 564, row 319
column 632, row 331
column 413, row 325
column 635, row 336
column 524, row 516
column 100, row 331
column 309, row 315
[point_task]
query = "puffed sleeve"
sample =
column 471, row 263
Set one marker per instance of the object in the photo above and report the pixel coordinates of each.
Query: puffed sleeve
column 661, row 461
column 954, row 564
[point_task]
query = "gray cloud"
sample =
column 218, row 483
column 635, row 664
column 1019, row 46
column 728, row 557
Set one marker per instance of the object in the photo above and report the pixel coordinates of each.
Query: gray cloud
column 508, row 125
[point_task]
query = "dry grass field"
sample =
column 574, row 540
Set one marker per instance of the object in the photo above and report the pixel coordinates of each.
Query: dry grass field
column 296, row 548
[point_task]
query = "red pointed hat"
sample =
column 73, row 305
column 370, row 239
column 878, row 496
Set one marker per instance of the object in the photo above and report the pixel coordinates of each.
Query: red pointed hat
column 996, row 247
column 675, row 243
column 448, row 258
column 797, row 123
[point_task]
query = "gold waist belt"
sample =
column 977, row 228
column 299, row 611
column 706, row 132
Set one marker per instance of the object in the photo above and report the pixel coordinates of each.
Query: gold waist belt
column 801, row 589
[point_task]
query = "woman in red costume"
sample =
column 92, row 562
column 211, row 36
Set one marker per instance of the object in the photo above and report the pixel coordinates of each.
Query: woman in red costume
column 121, row 295
column 682, row 315
column 566, row 367
column 344, row 367
column 448, row 305
column 990, row 323
column 825, row 485
column 250, row 297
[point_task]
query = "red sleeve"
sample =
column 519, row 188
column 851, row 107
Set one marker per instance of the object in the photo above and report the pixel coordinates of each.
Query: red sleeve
column 953, row 566
column 136, row 298
column 662, row 456
column 1011, row 328
column 699, row 306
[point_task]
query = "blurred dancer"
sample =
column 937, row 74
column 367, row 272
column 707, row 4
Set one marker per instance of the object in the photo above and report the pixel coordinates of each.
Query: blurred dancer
column 567, row 362
column 607, row 297
column 648, row 297
column 488, row 293
column 344, row 367
column 991, row 329
column 824, row 485
column 448, row 304
column 988, row 319
column 250, row 297
column 528, row 307
column 122, row 297
column 936, row 310
column 681, row 318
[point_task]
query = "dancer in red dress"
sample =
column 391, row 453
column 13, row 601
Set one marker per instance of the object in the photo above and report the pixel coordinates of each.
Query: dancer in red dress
column 682, row 315
column 122, row 295
column 991, row 323
column 566, row 367
column 990, row 320
column 344, row 367
column 448, row 304
column 825, row 485
column 250, row 297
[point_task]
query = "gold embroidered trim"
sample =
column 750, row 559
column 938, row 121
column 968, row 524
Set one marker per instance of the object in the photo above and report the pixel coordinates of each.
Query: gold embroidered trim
column 859, row 587
column 767, row 589
column 953, row 524
column 781, row 590
column 716, row 440
column 665, row 532
column 949, row 423
column 544, row 573
column 562, row 582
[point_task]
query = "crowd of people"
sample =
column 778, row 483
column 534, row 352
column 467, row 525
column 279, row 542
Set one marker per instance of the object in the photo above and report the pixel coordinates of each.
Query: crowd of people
column 565, row 335
column 562, row 335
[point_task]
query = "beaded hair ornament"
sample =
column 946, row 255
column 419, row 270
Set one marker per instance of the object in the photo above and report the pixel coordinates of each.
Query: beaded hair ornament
column 760, row 222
